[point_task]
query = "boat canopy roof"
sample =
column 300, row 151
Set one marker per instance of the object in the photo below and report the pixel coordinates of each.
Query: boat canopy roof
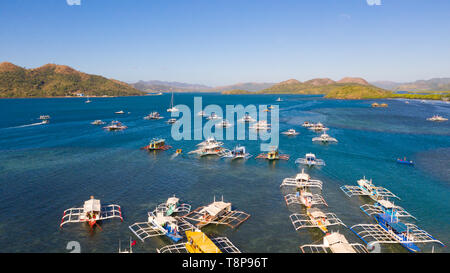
column 338, row 243
column 389, row 219
column 172, row 200
column 215, row 208
column 386, row 203
column 92, row 205
column 316, row 213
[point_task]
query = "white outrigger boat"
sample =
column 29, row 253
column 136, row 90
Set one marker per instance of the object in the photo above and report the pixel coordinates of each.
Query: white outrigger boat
column 290, row 132
column 260, row 125
column 367, row 188
column 172, row 121
column 317, row 127
column 199, row 242
column 324, row 138
column 120, row 112
column 44, row 117
column 98, row 122
column 385, row 206
column 224, row 124
column 239, row 152
column 115, row 126
column 307, row 124
column 202, row 113
column 91, row 212
column 210, row 147
column 213, row 116
column 301, row 180
column 153, row 115
column 279, row 99
column 247, row 119
column 304, row 197
column 172, row 108
column 218, row 212
column 166, row 219
column 334, row 243
column 315, row 218
column 310, row 160
column 88, row 100
column 437, row 118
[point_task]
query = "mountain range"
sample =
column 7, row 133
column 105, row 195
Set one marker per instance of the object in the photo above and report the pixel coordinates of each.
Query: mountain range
column 435, row 84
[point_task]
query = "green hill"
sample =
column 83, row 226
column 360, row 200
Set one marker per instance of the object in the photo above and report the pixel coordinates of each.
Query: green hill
column 53, row 80
column 347, row 88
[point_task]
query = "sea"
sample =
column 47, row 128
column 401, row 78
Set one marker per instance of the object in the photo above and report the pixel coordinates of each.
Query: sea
column 48, row 168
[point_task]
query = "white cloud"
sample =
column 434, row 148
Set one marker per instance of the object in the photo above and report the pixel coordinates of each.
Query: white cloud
column 73, row 2
column 373, row 2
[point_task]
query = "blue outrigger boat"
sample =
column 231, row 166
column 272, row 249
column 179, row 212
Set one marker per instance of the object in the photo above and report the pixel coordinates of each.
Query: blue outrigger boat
column 390, row 230
column 405, row 161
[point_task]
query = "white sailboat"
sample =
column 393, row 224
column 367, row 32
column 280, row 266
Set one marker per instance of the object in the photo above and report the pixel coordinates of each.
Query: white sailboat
column 172, row 108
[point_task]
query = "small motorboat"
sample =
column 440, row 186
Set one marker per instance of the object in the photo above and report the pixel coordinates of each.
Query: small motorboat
column 157, row 144
column 120, row 112
column 307, row 124
column 153, row 115
column 172, row 121
column 247, row 119
column 290, row 132
column 115, row 126
column 98, row 122
column 44, row 117
column 324, row 138
column 213, row 116
column 405, row 161
column 279, row 99
column 223, row 124
column 437, row 118
column 238, row 152
column 273, row 155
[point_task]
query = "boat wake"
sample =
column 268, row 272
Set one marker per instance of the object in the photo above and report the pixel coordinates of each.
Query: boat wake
column 28, row 125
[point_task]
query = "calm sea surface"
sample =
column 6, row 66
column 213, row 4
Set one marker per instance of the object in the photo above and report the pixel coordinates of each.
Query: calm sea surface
column 46, row 169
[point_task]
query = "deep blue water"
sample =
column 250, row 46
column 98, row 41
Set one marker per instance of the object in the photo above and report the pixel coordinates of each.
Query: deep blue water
column 46, row 169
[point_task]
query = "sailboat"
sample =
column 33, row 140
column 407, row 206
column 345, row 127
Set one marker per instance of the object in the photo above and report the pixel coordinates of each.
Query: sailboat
column 172, row 108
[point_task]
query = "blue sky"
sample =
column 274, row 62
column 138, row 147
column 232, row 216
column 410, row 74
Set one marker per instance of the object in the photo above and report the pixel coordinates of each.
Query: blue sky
column 219, row 42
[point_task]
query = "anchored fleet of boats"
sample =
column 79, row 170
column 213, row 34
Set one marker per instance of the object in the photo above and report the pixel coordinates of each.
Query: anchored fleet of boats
column 183, row 226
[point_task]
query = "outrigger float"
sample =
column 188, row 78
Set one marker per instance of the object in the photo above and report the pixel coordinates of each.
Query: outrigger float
column 367, row 188
column 310, row 160
column 162, row 221
column 239, row 152
column 157, row 144
column 389, row 230
column 91, row 213
column 273, row 155
column 334, row 243
column 301, row 180
column 315, row 218
column 305, row 198
column 198, row 242
column 218, row 212
column 385, row 206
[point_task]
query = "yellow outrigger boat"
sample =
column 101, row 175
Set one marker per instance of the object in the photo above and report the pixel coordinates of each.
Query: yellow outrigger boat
column 198, row 242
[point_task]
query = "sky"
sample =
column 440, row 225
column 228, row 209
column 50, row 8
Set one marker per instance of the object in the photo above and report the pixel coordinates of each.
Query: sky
column 221, row 42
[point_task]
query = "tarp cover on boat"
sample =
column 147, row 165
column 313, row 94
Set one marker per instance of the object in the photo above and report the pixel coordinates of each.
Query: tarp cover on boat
column 92, row 205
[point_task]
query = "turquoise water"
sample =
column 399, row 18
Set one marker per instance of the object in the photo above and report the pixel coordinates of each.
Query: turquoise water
column 47, row 169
